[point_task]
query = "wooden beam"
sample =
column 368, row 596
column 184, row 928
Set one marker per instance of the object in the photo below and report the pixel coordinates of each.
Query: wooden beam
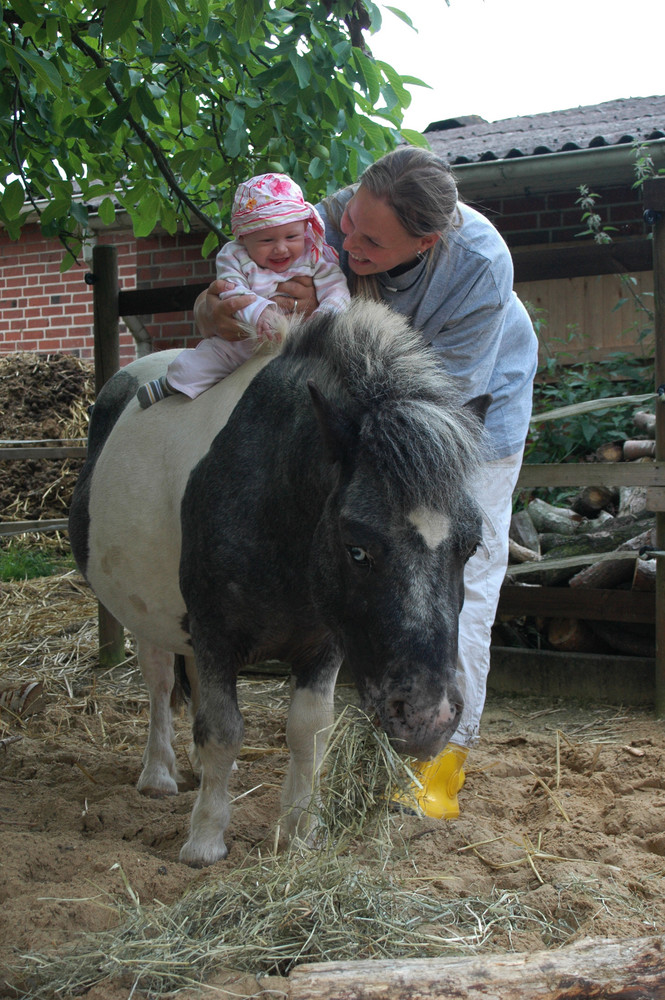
column 20, row 527
column 605, row 970
column 654, row 203
column 589, row 605
column 23, row 453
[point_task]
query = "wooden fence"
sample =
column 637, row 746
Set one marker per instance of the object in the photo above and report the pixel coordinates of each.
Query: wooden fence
column 111, row 302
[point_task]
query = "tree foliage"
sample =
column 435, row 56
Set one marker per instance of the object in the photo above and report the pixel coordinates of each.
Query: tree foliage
column 160, row 107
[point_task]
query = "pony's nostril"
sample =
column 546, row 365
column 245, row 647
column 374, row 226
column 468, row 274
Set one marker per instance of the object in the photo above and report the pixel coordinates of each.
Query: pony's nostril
column 397, row 709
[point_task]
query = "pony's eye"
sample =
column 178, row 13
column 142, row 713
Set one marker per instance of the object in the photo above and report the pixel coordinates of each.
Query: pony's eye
column 360, row 556
column 472, row 551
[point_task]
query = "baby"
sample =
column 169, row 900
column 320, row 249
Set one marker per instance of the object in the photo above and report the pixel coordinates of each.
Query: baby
column 278, row 236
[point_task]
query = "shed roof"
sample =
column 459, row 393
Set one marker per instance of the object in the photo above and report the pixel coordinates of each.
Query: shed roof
column 471, row 139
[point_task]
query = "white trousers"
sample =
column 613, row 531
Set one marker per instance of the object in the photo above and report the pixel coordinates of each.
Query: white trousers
column 483, row 576
column 197, row 368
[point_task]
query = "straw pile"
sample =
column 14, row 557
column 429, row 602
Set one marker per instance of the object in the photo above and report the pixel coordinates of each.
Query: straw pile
column 334, row 903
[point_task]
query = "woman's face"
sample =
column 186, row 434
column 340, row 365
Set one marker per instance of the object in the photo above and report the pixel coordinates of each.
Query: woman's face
column 374, row 238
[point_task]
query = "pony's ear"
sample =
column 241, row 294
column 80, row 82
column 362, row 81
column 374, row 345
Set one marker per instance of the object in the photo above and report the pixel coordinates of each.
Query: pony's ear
column 479, row 405
column 338, row 430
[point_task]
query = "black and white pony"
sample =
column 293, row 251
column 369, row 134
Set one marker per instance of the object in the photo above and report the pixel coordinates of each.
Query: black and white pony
column 311, row 507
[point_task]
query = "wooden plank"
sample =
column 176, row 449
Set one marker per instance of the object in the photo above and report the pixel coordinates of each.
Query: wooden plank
column 150, row 301
column 591, row 605
column 19, row 527
column 613, row 679
column 593, row 474
column 587, row 259
column 653, row 194
column 24, row 453
column 516, row 570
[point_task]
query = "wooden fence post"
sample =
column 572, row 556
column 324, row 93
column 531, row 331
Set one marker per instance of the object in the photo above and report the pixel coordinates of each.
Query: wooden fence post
column 654, row 203
column 107, row 361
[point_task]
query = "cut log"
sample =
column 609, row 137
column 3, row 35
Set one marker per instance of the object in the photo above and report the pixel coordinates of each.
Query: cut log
column 548, row 518
column 26, row 699
column 604, row 575
column 523, row 530
column 644, row 575
column 612, row 451
column 638, row 449
column 633, row 501
column 589, row 542
column 613, row 572
column 606, row 970
column 592, row 499
column 627, row 640
column 520, row 553
column 568, row 635
column 645, row 423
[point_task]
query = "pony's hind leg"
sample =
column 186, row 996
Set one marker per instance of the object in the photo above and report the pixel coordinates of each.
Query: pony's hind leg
column 218, row 732
column 159, row 776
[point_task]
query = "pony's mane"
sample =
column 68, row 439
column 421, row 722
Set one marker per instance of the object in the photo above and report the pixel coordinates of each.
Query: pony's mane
column 370, row 362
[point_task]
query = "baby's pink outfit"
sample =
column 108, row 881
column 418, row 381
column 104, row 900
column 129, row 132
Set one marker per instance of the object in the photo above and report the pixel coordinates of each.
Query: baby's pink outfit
column 270, row 199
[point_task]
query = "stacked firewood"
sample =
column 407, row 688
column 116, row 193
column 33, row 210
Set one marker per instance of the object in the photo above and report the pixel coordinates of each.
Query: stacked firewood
column 595, row 542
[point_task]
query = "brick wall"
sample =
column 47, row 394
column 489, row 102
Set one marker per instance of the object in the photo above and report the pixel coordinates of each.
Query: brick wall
column 45, row 311
column 525, row 220
column 163, row 261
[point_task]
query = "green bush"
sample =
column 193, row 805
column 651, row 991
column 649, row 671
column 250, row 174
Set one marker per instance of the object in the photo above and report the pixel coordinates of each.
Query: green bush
column 558, row 384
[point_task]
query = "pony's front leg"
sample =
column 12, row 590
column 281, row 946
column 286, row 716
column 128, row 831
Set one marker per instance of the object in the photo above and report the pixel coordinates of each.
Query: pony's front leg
column 159, row 776
column 308, row 726
column 218, row 731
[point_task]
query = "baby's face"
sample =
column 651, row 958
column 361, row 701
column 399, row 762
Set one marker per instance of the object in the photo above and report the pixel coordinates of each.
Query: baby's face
column 278, row 247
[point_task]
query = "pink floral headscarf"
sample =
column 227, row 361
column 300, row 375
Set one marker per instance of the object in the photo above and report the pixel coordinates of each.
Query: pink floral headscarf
column 273, row 200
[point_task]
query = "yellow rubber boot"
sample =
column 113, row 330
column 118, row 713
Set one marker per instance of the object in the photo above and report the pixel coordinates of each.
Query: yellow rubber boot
column 441, row 779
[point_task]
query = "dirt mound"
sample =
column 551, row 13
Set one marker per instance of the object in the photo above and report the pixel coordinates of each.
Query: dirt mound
column 42, row 397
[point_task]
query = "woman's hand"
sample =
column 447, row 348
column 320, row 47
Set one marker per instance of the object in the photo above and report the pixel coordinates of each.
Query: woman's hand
column 215, row 317
column 297, row 295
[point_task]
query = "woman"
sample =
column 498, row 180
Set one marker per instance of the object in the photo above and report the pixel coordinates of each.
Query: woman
column 403, row 237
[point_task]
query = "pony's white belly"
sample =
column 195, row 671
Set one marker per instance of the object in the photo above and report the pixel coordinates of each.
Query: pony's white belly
column 134, row 534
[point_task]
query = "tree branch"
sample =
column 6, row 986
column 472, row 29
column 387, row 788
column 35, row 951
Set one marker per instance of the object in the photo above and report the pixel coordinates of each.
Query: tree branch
column 158, row 156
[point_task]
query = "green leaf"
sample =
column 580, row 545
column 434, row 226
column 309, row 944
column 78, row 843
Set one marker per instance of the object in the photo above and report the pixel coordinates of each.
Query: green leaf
column 302, row 69
column 210, row 244
column 153, row 16
column 146, row 215
column 106, row 212
column 249, row 14
column 402, row 15
column 414, row 138
column 118, row 17
column 45, row 71
column 147, row 106
column 12, row 200
column 29, row 12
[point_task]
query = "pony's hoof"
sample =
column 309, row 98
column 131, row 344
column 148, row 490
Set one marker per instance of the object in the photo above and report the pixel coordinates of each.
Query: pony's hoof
column 201, row 855
column 157, row 784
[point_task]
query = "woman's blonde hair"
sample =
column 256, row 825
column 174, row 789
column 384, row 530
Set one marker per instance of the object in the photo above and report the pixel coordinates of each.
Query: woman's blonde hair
column 420, row 189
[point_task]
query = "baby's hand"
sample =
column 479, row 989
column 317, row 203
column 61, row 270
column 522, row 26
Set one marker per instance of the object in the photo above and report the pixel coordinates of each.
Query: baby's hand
column 266, row 323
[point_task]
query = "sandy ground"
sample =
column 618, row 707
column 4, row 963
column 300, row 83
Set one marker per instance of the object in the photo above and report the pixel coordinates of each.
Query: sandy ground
column 563, row 810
